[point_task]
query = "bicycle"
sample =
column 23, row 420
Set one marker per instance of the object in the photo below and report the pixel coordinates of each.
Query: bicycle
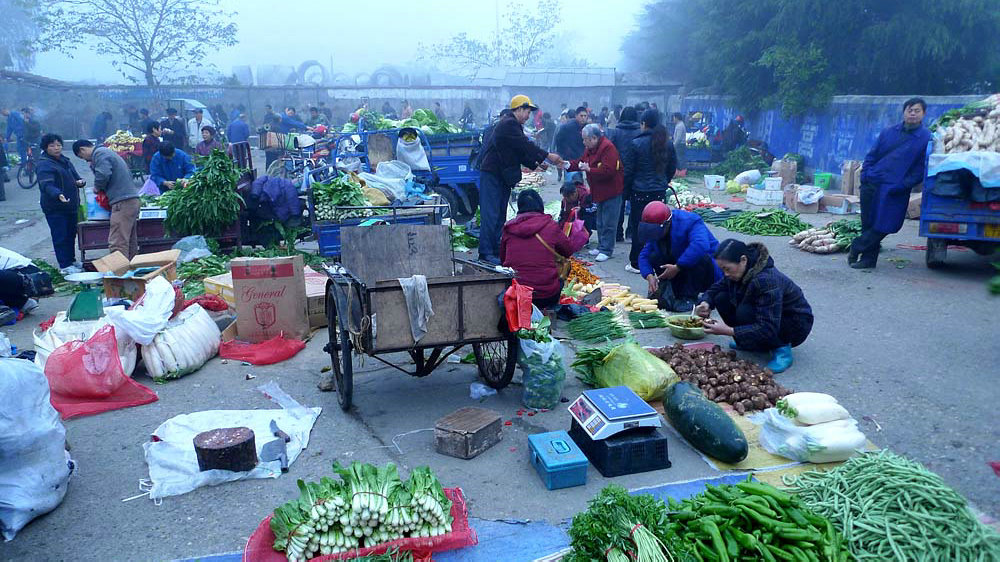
column 26, row 176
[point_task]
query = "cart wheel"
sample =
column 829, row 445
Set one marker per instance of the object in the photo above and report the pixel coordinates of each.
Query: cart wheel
column 340, row 357
column 496, row 361
column 937, row 251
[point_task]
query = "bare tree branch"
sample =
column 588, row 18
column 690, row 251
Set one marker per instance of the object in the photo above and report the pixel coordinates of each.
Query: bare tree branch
column 154, row 38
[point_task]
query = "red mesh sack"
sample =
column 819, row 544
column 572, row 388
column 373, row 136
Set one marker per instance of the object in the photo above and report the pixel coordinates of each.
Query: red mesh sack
column 211, row 303
column 517, row 305
column 86, row 369
column 274, row 350
column 260, row 547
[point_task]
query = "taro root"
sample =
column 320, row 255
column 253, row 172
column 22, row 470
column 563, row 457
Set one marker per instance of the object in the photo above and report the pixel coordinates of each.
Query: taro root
column 760, row 402
column 740, row 408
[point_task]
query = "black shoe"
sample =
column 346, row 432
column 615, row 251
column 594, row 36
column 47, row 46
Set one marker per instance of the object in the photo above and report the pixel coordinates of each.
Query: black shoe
column 852, row 256
column 620, row 238
column 863, row 264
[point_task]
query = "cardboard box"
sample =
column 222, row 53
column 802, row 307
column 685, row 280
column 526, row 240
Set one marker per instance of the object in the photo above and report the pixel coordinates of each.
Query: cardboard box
column 315, row 297
column 120, row 285
column 913, row 209
column 763, row 197
column 857, row 181
column 270, row 298
column 848, row 183
column 792, row 203
column 786, row 170
column 840, row 204
column 315, row 281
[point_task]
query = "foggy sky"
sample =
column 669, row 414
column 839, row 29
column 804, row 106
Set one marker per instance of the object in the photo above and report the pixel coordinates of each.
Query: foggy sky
column 360, row 36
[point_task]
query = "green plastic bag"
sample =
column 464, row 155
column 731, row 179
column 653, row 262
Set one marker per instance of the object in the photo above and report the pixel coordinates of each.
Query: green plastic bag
column 626, row 364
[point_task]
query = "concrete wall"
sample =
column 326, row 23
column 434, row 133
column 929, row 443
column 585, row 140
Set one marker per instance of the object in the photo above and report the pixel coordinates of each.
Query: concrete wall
column 844, row 131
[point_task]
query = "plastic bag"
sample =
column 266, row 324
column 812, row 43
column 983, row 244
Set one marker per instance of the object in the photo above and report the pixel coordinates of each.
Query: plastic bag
column 192, row 248
column 94, row 209
column 395, row 187
column 807, row 195
column 5, row 349
column 517, row 305
column 86, row 369
column 146, row 319
column 543, row 372
column 630, row 365
column 478, row 391
column 274, row 350
column 186, row 343
column 811, row 408
column 150, row 188
column 412, row 154
column 10, row 259
column 394, row 169
column 63, row 331
column 749, row 177
column 825, row 442
column 34, row 466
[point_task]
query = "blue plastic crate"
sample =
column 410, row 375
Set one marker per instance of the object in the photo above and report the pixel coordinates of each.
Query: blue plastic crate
column 557, row 459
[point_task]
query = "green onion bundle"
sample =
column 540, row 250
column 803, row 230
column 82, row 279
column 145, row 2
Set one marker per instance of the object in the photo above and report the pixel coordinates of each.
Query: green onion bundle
column 368, row 506
column 597, row 326
column 646, row 320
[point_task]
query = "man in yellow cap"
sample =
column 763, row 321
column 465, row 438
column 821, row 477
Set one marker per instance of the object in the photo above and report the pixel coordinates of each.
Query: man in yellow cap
column 505, row 149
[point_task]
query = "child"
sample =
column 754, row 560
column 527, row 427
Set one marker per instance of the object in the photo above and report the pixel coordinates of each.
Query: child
column 577, row 204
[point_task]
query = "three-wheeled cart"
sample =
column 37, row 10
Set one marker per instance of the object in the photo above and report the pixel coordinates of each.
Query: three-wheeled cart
column 965, row 215
column 367, row 311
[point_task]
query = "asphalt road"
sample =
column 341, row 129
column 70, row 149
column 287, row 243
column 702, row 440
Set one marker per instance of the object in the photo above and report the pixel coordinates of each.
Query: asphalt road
column 911, row 349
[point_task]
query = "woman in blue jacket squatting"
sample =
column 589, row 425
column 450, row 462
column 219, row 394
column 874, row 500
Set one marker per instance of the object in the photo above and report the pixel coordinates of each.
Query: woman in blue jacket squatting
column 761, row 308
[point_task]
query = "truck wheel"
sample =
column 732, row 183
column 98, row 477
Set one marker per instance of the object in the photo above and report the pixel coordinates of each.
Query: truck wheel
column 454, row 211
column 937, row 251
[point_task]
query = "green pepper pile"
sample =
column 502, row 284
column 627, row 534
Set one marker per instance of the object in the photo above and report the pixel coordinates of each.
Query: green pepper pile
column 209, row 204
column 750, row 521
column 767, row 222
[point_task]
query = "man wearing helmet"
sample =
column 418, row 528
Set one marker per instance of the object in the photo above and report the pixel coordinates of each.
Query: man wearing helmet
column 504, row 152
column 676, row 258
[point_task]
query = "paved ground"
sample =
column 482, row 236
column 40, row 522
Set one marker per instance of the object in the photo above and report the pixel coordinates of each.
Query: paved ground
column 913, row 349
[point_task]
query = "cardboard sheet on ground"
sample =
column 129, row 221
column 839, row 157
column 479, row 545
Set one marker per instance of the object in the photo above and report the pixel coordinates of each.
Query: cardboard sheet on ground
column 173, row 465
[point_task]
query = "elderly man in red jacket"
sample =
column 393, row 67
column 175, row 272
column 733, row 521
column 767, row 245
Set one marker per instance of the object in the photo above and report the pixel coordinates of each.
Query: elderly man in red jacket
column 606, row 177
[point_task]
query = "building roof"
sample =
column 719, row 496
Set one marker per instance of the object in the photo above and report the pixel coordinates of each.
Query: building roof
column 528, row 77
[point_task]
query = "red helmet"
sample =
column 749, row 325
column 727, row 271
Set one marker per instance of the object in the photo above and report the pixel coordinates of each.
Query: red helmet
column 739, row 118
column 656, row 212
column 321, row 129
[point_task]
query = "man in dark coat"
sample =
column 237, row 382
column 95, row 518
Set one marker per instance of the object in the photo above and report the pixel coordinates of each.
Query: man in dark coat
column 569, row 136
column 177, row 134
column 621, row 135
column 504, row 152
column 890, row 171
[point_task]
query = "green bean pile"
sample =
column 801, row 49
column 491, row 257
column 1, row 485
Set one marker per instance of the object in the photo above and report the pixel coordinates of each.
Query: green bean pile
column 891, row 508
column 767, row 222
column 597, row 326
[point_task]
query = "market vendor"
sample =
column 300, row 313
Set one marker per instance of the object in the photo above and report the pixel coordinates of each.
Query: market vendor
column 531, row 245
column 577, row 204
column 676, row 258
column 761, row 308
column 208, row 142
column 170, row 166
column 14, row 292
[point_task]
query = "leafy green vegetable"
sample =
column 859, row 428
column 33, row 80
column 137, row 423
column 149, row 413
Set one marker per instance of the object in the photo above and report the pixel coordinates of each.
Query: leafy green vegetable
column 460, row 240
column 209, row 204
column 738, row 161
column 612, row 522
column 627, row 364
column 423, row 119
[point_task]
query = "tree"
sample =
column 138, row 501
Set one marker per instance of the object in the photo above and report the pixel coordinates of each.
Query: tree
column 17, row 42
column 526, row 36
column 795, row 54
column 149, row 40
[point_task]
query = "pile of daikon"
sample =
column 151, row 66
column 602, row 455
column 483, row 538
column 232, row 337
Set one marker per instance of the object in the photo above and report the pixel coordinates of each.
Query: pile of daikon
column 973, row 128
column 816, row 241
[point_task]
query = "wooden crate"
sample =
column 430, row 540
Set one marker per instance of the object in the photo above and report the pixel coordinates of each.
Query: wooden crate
column 467, row 432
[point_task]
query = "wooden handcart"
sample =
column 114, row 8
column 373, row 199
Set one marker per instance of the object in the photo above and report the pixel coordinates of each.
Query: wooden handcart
column 367, row 313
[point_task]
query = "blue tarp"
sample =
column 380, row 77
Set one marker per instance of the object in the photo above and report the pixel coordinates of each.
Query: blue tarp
column 846, row 130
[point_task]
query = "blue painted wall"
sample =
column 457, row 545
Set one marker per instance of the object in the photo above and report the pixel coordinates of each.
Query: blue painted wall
column 846, row 130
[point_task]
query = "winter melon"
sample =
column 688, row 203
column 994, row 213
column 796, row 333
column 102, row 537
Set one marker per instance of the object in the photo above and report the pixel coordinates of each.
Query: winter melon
column 704, row 424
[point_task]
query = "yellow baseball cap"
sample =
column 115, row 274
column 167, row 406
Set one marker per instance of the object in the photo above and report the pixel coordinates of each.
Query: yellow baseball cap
column 522, row 100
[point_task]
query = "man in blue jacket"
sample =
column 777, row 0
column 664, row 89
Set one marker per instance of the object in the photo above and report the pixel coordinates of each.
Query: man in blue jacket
column 677, row 257
column 890, row 171
column 238, row 130
column 15, row 127
column 170, row 166
column 289, row 122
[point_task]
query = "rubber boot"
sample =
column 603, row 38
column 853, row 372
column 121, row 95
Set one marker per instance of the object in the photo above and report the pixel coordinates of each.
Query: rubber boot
column 781, row 360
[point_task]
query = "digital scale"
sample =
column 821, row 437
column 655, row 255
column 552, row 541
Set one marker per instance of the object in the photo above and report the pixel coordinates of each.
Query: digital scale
column 152, row 213
column 603, row 412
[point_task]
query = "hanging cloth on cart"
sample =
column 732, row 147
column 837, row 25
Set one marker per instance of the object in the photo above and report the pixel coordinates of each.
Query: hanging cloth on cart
column 418, row 304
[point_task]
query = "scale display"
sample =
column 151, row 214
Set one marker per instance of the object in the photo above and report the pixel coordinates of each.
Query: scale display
column 603, row 412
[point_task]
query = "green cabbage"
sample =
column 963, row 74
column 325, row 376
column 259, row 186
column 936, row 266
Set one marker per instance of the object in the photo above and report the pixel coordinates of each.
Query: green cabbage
column 627, row 364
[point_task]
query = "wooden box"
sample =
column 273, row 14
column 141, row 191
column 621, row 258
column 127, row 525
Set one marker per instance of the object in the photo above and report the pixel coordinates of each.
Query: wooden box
column 467, row 432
